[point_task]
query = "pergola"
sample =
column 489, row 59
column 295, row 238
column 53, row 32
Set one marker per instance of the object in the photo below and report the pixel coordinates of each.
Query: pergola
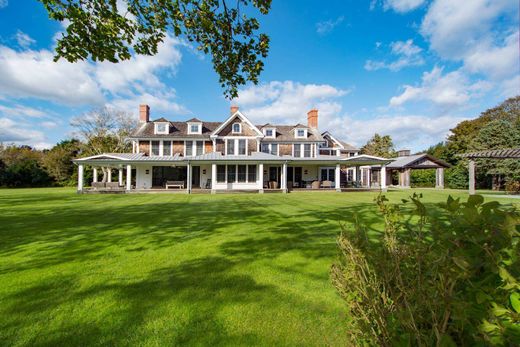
column 405, row 164
column 509, row 153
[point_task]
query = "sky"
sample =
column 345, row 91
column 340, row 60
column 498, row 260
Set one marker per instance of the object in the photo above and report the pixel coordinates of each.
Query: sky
column 411, row 69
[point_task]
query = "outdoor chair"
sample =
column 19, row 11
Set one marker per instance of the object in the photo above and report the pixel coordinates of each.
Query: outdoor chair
column 98, row 185
column 174, row 184
column 315, row 185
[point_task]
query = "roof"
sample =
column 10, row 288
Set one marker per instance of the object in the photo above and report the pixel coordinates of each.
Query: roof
column 177, row 129
column 348, row 146
column 417, row 161
column 161, row 120
column 284, row 133
column 128, row 157
column 219, row 156
column 194, row 120
column 508, row 153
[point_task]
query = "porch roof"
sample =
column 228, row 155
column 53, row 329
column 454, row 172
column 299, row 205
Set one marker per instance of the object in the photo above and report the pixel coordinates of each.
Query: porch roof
column 417, row 161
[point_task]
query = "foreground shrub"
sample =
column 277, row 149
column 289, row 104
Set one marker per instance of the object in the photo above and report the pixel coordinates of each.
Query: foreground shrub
column 445, row 279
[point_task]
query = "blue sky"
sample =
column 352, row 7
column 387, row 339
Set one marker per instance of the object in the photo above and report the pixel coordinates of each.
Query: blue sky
column 409, row 68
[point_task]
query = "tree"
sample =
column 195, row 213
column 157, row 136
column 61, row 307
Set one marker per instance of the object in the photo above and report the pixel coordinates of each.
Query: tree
column 58, row 160
column 22, row 167
column 104, row 130
column 112, row 30
column 379, row 146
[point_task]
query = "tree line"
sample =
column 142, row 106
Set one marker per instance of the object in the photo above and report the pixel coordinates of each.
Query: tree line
column 495, row 128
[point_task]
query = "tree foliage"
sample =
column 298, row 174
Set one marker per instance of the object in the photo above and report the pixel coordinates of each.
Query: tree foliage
column 21, row 167
column 58, row 160
column 379, row 146
column 433, row 279
column 113, row 30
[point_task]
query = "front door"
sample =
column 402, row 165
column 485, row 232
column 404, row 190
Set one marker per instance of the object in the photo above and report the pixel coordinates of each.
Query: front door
column 195, row 176
column 327, row 174
column 274, row 176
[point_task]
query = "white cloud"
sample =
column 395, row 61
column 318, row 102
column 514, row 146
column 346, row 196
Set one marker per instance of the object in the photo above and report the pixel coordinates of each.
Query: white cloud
column 18, row 133
column 445, row 90
column 400, row 6
column 4, row 3
column 288, row 102
column 159, row 102
column 18, row 110
column 325, row 27
column 23, row 39
column 408, row 55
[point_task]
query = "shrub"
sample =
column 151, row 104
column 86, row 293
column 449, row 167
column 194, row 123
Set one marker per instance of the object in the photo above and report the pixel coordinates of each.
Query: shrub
column 450, row 278
column 513, row 187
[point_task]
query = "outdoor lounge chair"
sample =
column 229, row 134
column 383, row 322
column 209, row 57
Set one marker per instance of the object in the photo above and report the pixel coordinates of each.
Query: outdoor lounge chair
column 174, row 184
column 315, row 185
column 326, row 184
column 98, row 185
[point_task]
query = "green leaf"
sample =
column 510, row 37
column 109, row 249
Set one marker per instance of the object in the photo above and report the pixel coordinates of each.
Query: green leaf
column 446, row 341
column 514, row 298
column 475, row 200
column 488, row 327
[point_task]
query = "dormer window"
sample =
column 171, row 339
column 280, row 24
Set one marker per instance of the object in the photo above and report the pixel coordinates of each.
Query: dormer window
column 237, row 128
column 270, row 132
column 300, row 133
column 161, row 128
column 195, row 128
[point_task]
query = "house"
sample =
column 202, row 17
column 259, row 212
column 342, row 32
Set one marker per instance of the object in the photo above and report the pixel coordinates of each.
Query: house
column 196, row 155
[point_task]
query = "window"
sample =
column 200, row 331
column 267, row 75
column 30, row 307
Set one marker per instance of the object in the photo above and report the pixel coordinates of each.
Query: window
column 194, row 128
column 189, row 148
column 231, row 173
column 161, row 128
column 167, row 148
column 200, row 147
column 269, row 132
column 274, row 148
column 251, row 173
column 241, row 147
column 221, row 173
column 264, row 148
column 241, row 173
column 237, row 128
column 301, row 133
column 297, row 150
column 230, row 147
column 155, row 147
column 307, row 150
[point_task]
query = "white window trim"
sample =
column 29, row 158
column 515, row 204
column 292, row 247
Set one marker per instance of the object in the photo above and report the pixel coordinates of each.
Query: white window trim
column 235, row 139
column 236, row 174
column 273, row 135
column 199, row 126
column 165, row 132
column 300, row 137
column 302, row 150
column 271, row 147
column 239, row 128
column 193, row 147
column 161, row 148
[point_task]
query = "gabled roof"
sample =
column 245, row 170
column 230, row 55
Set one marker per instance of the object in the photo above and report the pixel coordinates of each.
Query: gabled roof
column 194, row 120
column 161, row 120
column 285, row 133
column 300, row 125
column 177, row 129
column 417, row 161
column 341, row 144
column 233, row 116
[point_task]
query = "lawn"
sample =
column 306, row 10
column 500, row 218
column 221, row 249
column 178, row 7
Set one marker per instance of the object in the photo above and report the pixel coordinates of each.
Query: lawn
column 170, row 269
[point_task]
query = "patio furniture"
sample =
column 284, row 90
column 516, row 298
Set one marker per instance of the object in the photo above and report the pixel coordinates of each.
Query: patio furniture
column 174, row 184
column 112, row 185
column 315, row 185
column 208, row 184
column 327, row 184
column 98, row 185
column 273, row 185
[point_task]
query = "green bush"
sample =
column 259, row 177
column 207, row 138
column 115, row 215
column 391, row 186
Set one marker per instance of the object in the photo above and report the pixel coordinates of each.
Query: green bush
column 423, row 178
column 433, row 279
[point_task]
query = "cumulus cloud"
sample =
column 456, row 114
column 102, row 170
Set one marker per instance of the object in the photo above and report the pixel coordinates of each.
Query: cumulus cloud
column 400, row 6
column 445, row 90
column 408, row 54
column 18, row 133
column 325, row 27
column 18, row 110
column 288, row 102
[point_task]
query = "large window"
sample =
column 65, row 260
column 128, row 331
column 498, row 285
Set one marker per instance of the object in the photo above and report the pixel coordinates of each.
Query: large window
column 231, row 173
column 274, row 148
column 167, row 148
column 264, row 148
column 155, row 147
column 221, row 173
column 189, row 148
column 297, row 150
column 271, row 148
column 251, row 173
column 230, row 147
column 241, row 147
column 307, row 150
column 200, row 147
column 241, row 173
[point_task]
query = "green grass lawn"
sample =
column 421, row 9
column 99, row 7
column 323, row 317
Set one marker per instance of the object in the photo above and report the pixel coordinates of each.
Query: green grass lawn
column 170, row 269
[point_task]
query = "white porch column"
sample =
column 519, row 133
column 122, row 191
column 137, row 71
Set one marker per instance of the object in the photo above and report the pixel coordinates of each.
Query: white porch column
column 109, row 174
column 369, row 177
column 261, row 177
column 383, row 178
column 284, row 177
column 80, row 178
column 337, row 178
column 213, row 178
column 338, row 152
column 355, row 174
column 188, row 178
column 121, row 176
column 128, row 177
column 439, row 182
column 471, row 167
column 94, row 175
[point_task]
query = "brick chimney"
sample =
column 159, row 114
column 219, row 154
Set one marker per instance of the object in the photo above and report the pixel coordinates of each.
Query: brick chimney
column 312, row 118
column 144, row 113
column 403, row 153
column 234, row 109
